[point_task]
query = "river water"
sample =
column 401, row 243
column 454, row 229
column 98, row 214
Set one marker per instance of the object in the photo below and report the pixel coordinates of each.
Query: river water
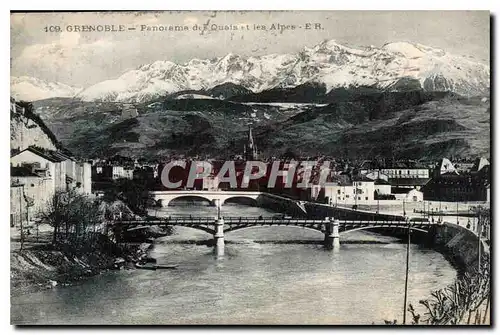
column 255, row 283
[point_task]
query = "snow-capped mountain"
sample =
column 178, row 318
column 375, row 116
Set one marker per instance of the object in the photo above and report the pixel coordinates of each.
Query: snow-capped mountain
column 32, row 89
column 330, row 63
column 391, row 67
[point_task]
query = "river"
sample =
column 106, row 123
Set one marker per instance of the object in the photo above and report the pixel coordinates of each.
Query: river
column 255, row 283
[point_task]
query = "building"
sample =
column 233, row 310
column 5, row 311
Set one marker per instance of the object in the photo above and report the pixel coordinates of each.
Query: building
column 396, row 170
column 38, row 173
column 29, row 193
column 451, row 187
column 448, row 185
column 480, row 164
column 110, row 172
column 402, row 174
column 382, row 187
column 128, row 173
column 43, row 161
column 445, row 167
column 343, row 191
column 84, row 177
column 408, row 196
column 376, row 175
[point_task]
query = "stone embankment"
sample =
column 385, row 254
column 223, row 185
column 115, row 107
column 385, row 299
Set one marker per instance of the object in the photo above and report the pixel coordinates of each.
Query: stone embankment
column 39, row 268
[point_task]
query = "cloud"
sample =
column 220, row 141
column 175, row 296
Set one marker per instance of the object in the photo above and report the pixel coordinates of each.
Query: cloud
column 62, row 59
column 69, row 39
column 190, row 20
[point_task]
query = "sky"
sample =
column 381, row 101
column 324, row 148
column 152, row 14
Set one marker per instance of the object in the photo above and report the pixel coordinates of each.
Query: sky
column 45, row 45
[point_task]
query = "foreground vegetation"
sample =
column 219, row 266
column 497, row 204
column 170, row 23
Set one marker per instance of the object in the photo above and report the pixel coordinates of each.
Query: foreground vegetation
column 467, row 301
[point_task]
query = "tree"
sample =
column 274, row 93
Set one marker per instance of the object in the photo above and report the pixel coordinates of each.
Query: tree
column 134, row 193
column 72, row 214
column 56, row 212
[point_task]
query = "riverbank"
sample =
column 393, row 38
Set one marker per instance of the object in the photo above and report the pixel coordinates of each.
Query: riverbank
column 42, row 266
column 466, row 301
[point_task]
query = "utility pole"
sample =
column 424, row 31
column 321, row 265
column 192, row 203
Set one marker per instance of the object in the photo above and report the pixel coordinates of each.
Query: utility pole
column 356, row 196
column 479, row 239
column 407, row 271
column 440, row 213
column 21, row 216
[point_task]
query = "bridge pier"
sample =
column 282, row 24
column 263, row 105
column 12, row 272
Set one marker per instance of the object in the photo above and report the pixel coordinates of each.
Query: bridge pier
column 219, row 237
column 332, row 236
column 336, row 235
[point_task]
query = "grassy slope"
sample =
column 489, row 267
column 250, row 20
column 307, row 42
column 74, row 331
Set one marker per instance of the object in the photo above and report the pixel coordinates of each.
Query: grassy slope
column 357, row 124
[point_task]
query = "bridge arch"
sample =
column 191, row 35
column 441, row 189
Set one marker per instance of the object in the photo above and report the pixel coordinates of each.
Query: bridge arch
column 240, row 199
column 235, row 227
column 193, row 198
column 343, row 232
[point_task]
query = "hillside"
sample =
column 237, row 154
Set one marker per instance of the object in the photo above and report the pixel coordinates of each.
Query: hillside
column 362, row 122
column 184, row 126
column 421, row 127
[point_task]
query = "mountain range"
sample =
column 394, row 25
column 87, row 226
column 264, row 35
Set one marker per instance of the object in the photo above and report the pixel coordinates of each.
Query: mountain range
column 32, row 89
column 401, row 100
column 328, row 64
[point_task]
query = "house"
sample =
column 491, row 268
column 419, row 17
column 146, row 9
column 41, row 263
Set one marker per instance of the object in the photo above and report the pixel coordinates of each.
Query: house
column 382, row 186
column 346, row 191
column 408, row 196
column 29, row 193
column 38, row 173
column 42, row 160
column 113, row 172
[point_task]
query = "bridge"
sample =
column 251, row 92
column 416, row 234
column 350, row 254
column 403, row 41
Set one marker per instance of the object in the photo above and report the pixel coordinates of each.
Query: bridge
column 330, row 227
column 165, row 197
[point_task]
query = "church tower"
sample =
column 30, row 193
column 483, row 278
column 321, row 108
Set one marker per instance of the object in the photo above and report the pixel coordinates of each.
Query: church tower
column 250, row 149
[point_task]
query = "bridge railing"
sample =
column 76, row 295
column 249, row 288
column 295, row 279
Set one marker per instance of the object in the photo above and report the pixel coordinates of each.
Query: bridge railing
column 267, row 221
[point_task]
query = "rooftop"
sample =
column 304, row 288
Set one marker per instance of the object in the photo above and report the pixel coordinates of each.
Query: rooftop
column 50, row 155
column 408, row 181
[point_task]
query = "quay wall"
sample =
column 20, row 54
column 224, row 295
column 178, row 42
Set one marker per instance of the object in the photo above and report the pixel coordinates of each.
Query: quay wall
column 315, row 210
column 281, row 204
column 458, row 244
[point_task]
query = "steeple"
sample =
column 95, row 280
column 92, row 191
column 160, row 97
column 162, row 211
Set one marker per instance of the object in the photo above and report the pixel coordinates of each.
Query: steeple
column 250, row 139
column 250, row 149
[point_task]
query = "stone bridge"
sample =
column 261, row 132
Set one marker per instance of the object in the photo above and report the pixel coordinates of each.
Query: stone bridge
column 165, row 197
